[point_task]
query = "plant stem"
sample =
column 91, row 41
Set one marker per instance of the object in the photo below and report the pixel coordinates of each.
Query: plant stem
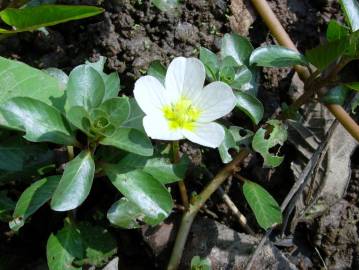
column 181, row 184
column 70, row 152
column 283, row 39
column 195, row 206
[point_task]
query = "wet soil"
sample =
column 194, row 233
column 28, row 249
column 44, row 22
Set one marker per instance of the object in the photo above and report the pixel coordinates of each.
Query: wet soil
column 132, row 34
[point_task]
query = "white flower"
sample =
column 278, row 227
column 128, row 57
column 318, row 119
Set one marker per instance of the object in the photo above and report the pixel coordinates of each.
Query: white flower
column 183, row 108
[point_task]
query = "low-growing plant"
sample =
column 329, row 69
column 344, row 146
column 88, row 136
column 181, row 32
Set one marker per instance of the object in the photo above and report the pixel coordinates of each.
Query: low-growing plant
column 106, row 135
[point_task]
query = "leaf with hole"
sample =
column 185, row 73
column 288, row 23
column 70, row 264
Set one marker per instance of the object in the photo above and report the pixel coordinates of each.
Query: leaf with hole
column 234, row 138
column 266, row 139
column 40, row 122
column 32, row 18
column 141, row 189
column 75, row 183
column 276, row 56
column 32, row 199
column 236, row 46
column 263, row 205
column 250, row 105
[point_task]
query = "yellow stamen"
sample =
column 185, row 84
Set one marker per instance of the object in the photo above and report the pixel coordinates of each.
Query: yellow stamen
column 181, row 114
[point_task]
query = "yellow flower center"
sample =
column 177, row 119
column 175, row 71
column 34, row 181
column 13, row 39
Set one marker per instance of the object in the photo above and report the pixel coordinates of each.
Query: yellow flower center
column 181, row 114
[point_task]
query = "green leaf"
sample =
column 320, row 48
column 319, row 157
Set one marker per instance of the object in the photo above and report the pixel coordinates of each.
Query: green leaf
column 144, row 191
column 250, row 105
column 200, row 264
column 135, row 118
column 85, row 88
column 210, row 62
column 99, row 244
column 242, row 76
column 234, row 140
column 263, row 142
column 32, row 199
column 100, row 123
column 130, row 140
column 59, row 75
column 265, row 208
column 351, row 12
column 18, row 79
column 75, row 183
column 80, row 118
column 276, row 56
column 117, row 108
column 353, row 85
column 32, row 18
column 336, row 31
column 323, row 55
column 111, row 81
column 157, row 70
column 355, row 103
column 236, row 46
column 125, row 214
column 165, row 5
column 160, row 168
column 336, row 95
column 63, row 248
column 41, row 122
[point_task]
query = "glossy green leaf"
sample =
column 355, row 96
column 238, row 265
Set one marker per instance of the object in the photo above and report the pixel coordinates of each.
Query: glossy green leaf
column 142, row 190
column 130, row 140
column 100, row 123
column 264, row 206
column 32, row 18
column 85, row 88
column 111, row 81
column 117, row 108
column 41, row 122
column 99, row 244
column 135, row 118
column 18, row 79
column 323, row 55
column 263, row 142
column 80, row 118
column 125, row 214
column 234, row 138
column 336, row 95
column 59, row 75
column 62, row 248
column 32, row 199
column 353, row 85
column 336, row 31
column 276, row 56
column 210, row 62
column 236, row 46
column 250, row 105
column 157, row 70
column 351, row 12
column 242, row 76
column 165, row 5
column 160, row 168
column 75, row 183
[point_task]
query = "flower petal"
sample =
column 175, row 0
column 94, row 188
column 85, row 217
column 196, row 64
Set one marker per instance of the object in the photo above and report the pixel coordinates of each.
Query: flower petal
column 185, row 78
column 150, row 95
column 211, row 134
column 216, row 100
column 156, row 127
